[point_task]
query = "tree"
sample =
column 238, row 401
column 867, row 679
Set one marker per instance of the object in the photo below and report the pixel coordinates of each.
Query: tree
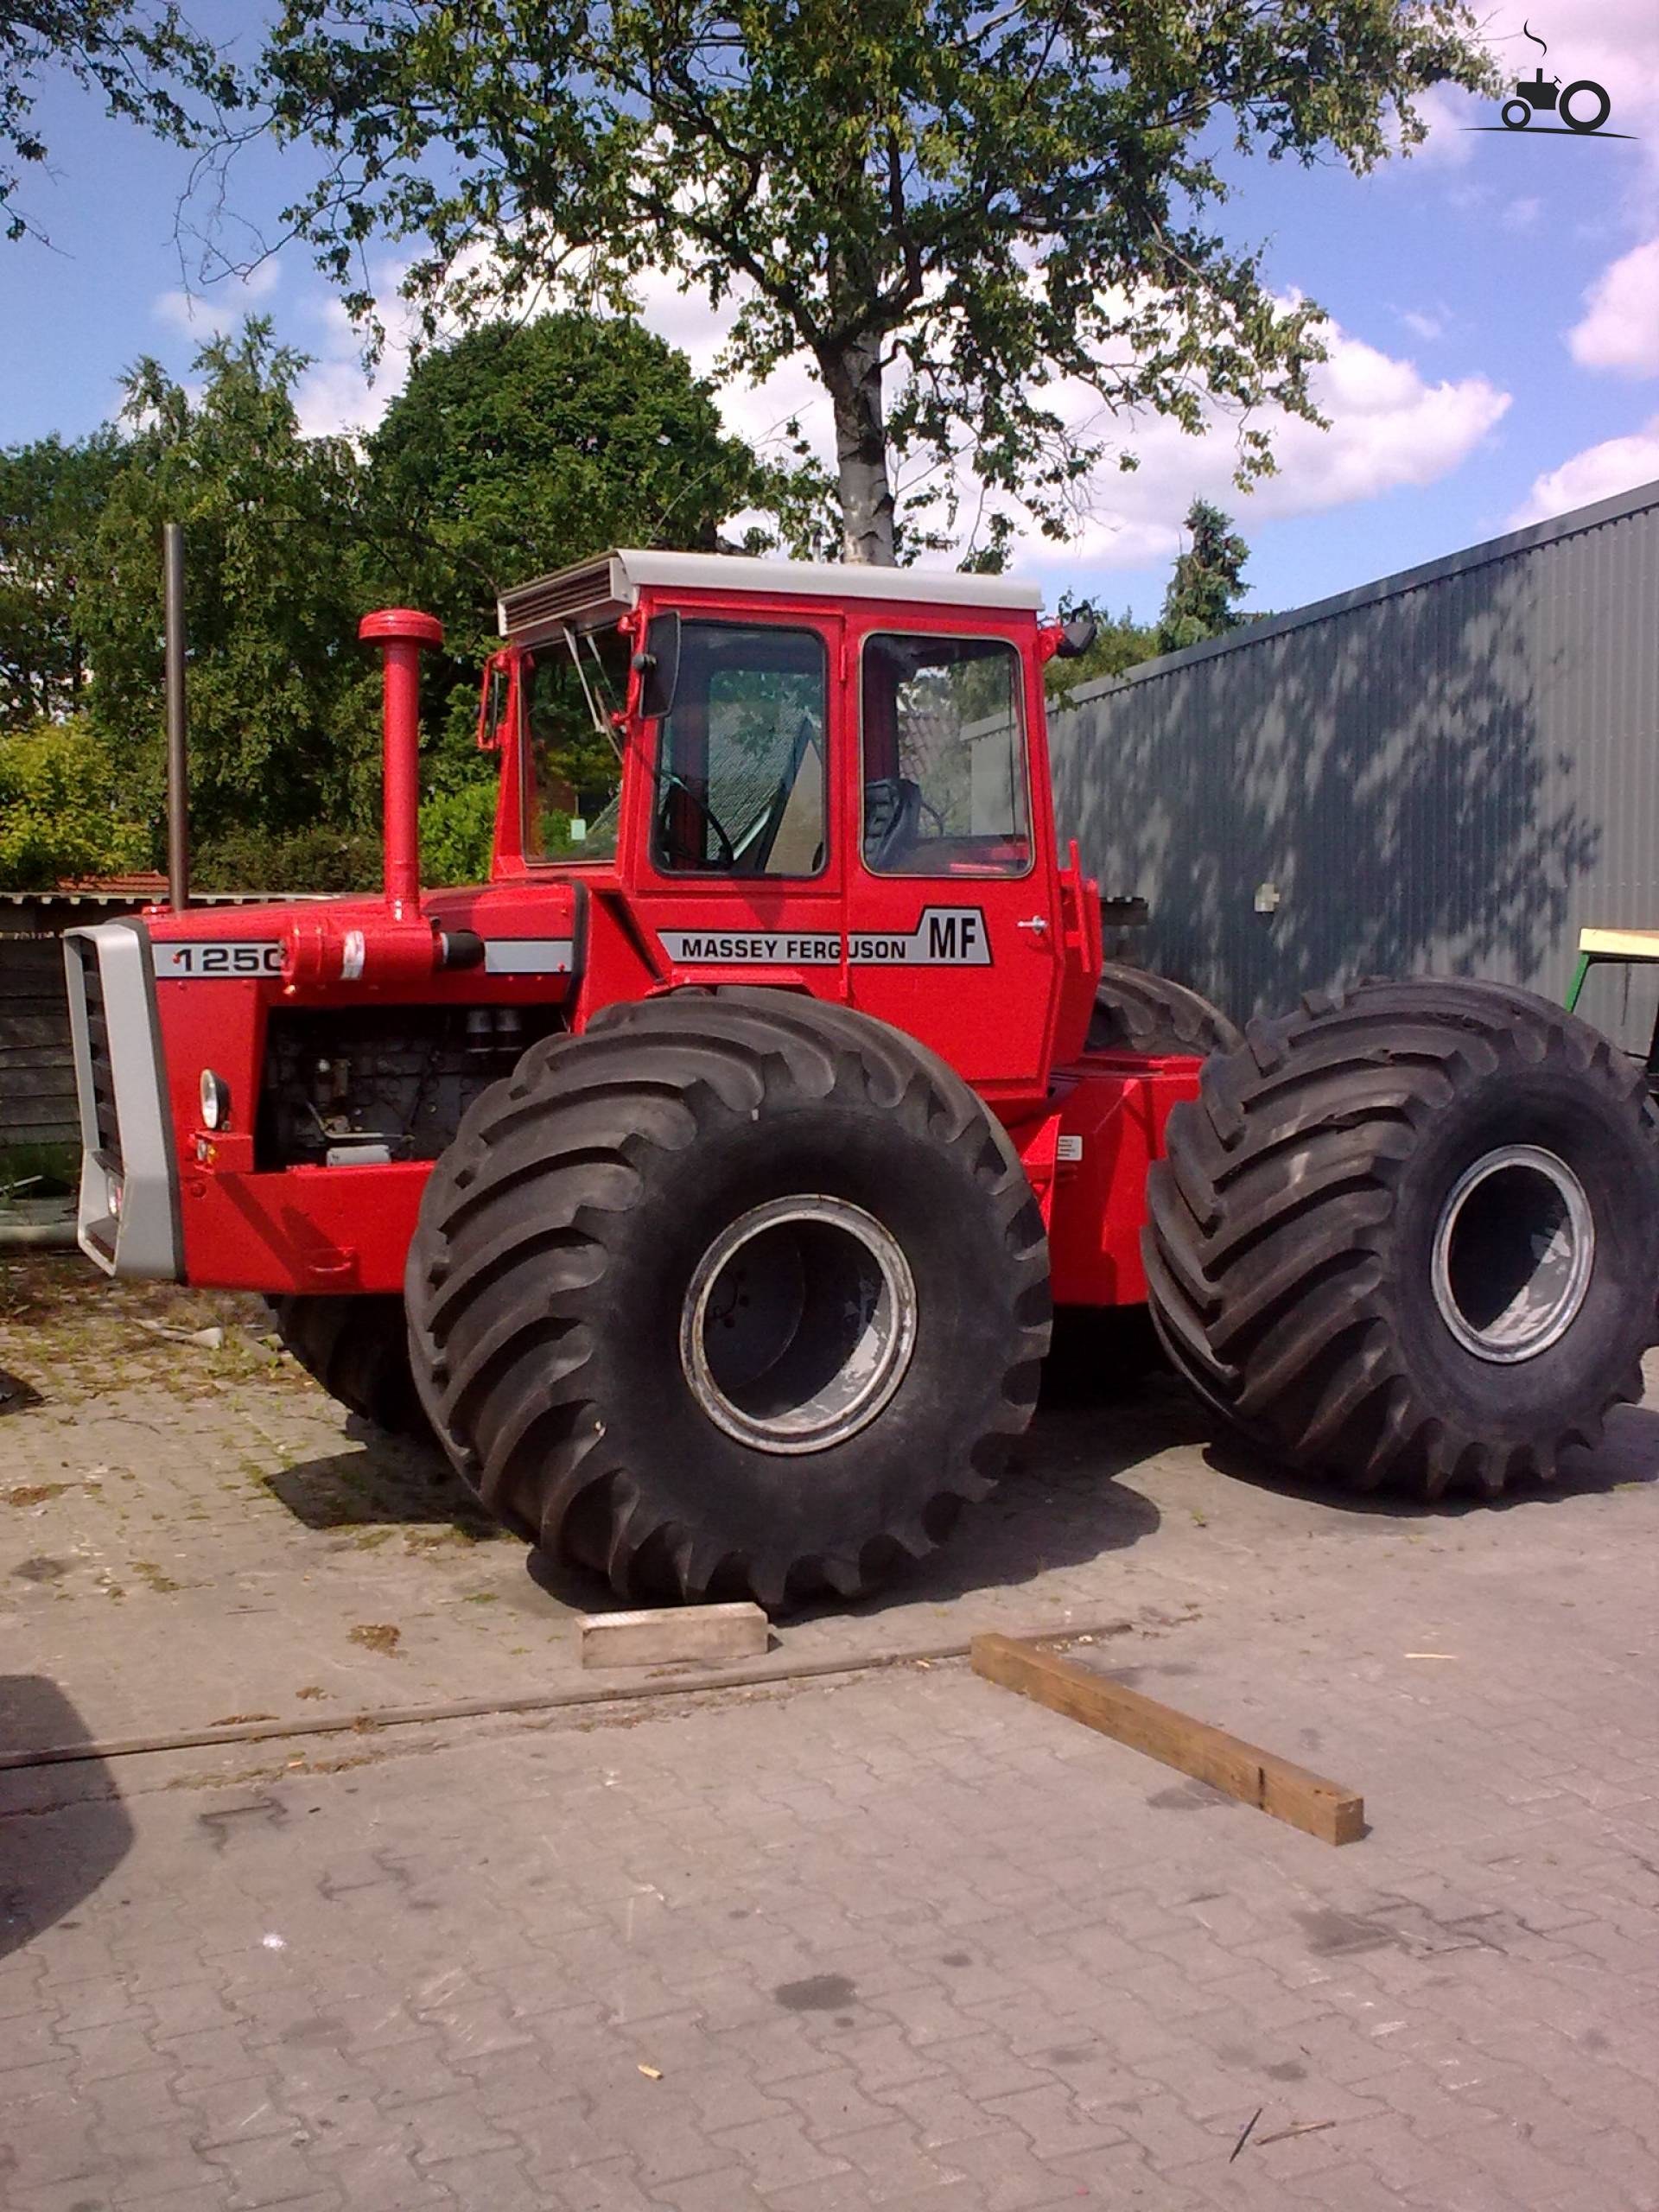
column 515, row 450
column 145, row 58
column 966, row 203
column 283, row 701
column 525, row 446
column 51, row 496
column 1208, row 582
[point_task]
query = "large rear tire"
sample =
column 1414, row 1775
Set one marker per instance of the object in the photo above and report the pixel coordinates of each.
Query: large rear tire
column 358, row 1349
column 1410, row 1234
column 734, row 1293
column 1137, row 1012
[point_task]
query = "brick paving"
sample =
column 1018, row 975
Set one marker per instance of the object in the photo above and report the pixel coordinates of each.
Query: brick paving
column 902, row 1940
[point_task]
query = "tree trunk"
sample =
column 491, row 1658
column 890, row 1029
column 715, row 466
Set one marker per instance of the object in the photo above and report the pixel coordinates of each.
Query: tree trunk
column 852, row 375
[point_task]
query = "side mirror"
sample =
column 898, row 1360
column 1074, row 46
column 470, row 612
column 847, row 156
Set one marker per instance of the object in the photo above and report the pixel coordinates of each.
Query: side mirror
column 498, row 701
column 1076, row 636
column 658, row 666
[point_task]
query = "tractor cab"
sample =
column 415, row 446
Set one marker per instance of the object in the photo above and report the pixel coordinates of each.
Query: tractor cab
column 830, row 778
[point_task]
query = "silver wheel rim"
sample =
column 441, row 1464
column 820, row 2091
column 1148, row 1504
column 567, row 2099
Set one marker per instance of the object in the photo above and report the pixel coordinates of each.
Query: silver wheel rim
column 799, row 1324
column 1513, row 1254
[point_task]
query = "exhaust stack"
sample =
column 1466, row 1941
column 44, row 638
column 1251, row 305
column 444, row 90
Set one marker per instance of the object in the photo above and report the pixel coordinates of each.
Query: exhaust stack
column 401, row 633
column 318, row 948
column 178, row 788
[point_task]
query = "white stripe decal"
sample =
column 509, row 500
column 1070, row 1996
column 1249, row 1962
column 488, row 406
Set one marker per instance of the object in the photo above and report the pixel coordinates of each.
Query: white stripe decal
column 528, row 955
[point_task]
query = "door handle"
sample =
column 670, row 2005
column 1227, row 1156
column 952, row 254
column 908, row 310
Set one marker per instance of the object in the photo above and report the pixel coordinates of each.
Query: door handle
column 1037, row 922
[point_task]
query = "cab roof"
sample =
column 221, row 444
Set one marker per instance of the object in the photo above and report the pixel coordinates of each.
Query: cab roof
column 603, row 588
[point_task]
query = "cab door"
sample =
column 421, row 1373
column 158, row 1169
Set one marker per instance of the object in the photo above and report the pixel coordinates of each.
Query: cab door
column 953, row 927
column 736, row 864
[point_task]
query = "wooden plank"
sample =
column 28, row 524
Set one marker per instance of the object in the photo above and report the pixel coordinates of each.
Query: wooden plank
column 37, row 1082
column 32, row 1023
column 669, row 1636
column 1243, row 1770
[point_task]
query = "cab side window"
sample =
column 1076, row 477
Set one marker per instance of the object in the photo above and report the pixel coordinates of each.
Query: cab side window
column 944, row 758
column 741, row 765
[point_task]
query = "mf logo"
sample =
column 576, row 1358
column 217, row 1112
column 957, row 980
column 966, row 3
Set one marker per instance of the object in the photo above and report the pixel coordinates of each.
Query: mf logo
column 1583, row 105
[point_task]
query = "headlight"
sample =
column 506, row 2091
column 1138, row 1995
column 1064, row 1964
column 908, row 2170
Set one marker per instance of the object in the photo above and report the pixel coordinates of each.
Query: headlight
column 215, row 1100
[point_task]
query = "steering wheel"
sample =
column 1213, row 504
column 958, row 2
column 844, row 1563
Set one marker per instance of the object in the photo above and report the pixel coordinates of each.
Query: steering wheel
column 671, row 783
column 899, row 832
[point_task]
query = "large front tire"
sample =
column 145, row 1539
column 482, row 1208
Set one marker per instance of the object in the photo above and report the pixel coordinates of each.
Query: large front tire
column 1410, row 1234
column 734, row 1293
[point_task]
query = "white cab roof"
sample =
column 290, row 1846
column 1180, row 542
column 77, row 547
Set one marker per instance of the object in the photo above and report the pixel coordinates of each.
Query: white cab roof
column 605, row 587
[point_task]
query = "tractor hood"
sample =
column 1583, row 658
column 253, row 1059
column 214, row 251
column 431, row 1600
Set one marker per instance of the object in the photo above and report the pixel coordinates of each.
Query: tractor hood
column 509, row 941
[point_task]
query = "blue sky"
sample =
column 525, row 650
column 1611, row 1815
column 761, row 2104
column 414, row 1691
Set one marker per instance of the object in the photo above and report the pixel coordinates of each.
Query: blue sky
column 1495, row 354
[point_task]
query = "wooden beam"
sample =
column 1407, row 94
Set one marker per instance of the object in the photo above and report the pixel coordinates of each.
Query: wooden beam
column 1256, row 1777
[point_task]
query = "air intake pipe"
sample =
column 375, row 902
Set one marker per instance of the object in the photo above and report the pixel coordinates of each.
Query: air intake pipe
column 318, row 948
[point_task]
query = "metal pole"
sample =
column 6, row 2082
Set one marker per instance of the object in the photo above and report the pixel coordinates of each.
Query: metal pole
column 178, row 792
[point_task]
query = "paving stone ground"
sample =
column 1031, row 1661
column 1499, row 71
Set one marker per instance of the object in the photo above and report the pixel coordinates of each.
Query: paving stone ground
column 897, row 1940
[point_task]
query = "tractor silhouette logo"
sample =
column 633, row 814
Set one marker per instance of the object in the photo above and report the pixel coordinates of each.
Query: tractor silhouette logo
column 1583, row 105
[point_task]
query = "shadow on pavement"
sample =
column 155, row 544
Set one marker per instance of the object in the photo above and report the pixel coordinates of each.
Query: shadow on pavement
column 1058, row 1505
column 387, row 1481
column 51, row 1864
column 1628, row 1455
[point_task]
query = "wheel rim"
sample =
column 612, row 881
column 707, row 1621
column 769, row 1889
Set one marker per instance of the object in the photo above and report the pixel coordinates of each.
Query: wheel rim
column 799, row 1324
column 1513, row 1254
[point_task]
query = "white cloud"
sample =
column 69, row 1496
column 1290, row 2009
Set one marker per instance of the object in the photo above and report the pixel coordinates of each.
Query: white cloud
column 210, row 314
column 1615, row 465
column 1428, row 328
column 1620, row 329
column 1388, row 427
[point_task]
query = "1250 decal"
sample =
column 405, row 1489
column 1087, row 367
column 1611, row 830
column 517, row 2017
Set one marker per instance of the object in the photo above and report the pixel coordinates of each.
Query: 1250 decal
column 203, row 957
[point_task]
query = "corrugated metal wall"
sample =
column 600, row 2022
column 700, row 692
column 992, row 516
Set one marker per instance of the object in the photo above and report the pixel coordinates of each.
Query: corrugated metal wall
column 1448, row 772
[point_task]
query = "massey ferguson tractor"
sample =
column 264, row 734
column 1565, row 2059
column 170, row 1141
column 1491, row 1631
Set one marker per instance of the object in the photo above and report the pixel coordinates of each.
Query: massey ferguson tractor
column 706, row 1182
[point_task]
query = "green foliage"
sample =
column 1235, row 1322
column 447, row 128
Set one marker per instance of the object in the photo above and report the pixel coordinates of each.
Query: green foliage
column 458, row 834
column 522, row 449
column 324, row 857
column 1119, row 642
column 973, row 202
column 51, row 495
column 283, row 703
column 59, row 817
column 144, row 59
column 1203, row 597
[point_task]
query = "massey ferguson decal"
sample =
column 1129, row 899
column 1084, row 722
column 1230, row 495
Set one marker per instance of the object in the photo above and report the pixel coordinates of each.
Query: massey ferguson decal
column 944, row 936
column 769, row 949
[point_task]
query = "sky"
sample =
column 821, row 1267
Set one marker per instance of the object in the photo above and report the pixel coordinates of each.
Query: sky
column 1494, row 333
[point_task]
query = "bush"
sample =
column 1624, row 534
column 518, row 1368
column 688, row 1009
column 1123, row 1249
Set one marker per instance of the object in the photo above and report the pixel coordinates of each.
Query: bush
column 319, row 859
column 458, row 834
column 58, row 821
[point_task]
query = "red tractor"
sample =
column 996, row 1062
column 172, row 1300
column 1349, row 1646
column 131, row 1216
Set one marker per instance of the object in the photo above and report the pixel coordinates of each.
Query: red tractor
column 708, row 1181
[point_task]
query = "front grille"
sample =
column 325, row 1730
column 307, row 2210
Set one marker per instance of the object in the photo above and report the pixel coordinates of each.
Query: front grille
column 99, row 1069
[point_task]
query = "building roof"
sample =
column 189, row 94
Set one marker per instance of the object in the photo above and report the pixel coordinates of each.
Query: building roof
column 1572, row 524
column 605, row 588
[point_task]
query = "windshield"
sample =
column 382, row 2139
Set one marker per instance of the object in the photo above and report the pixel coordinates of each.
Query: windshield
column 573, row 770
